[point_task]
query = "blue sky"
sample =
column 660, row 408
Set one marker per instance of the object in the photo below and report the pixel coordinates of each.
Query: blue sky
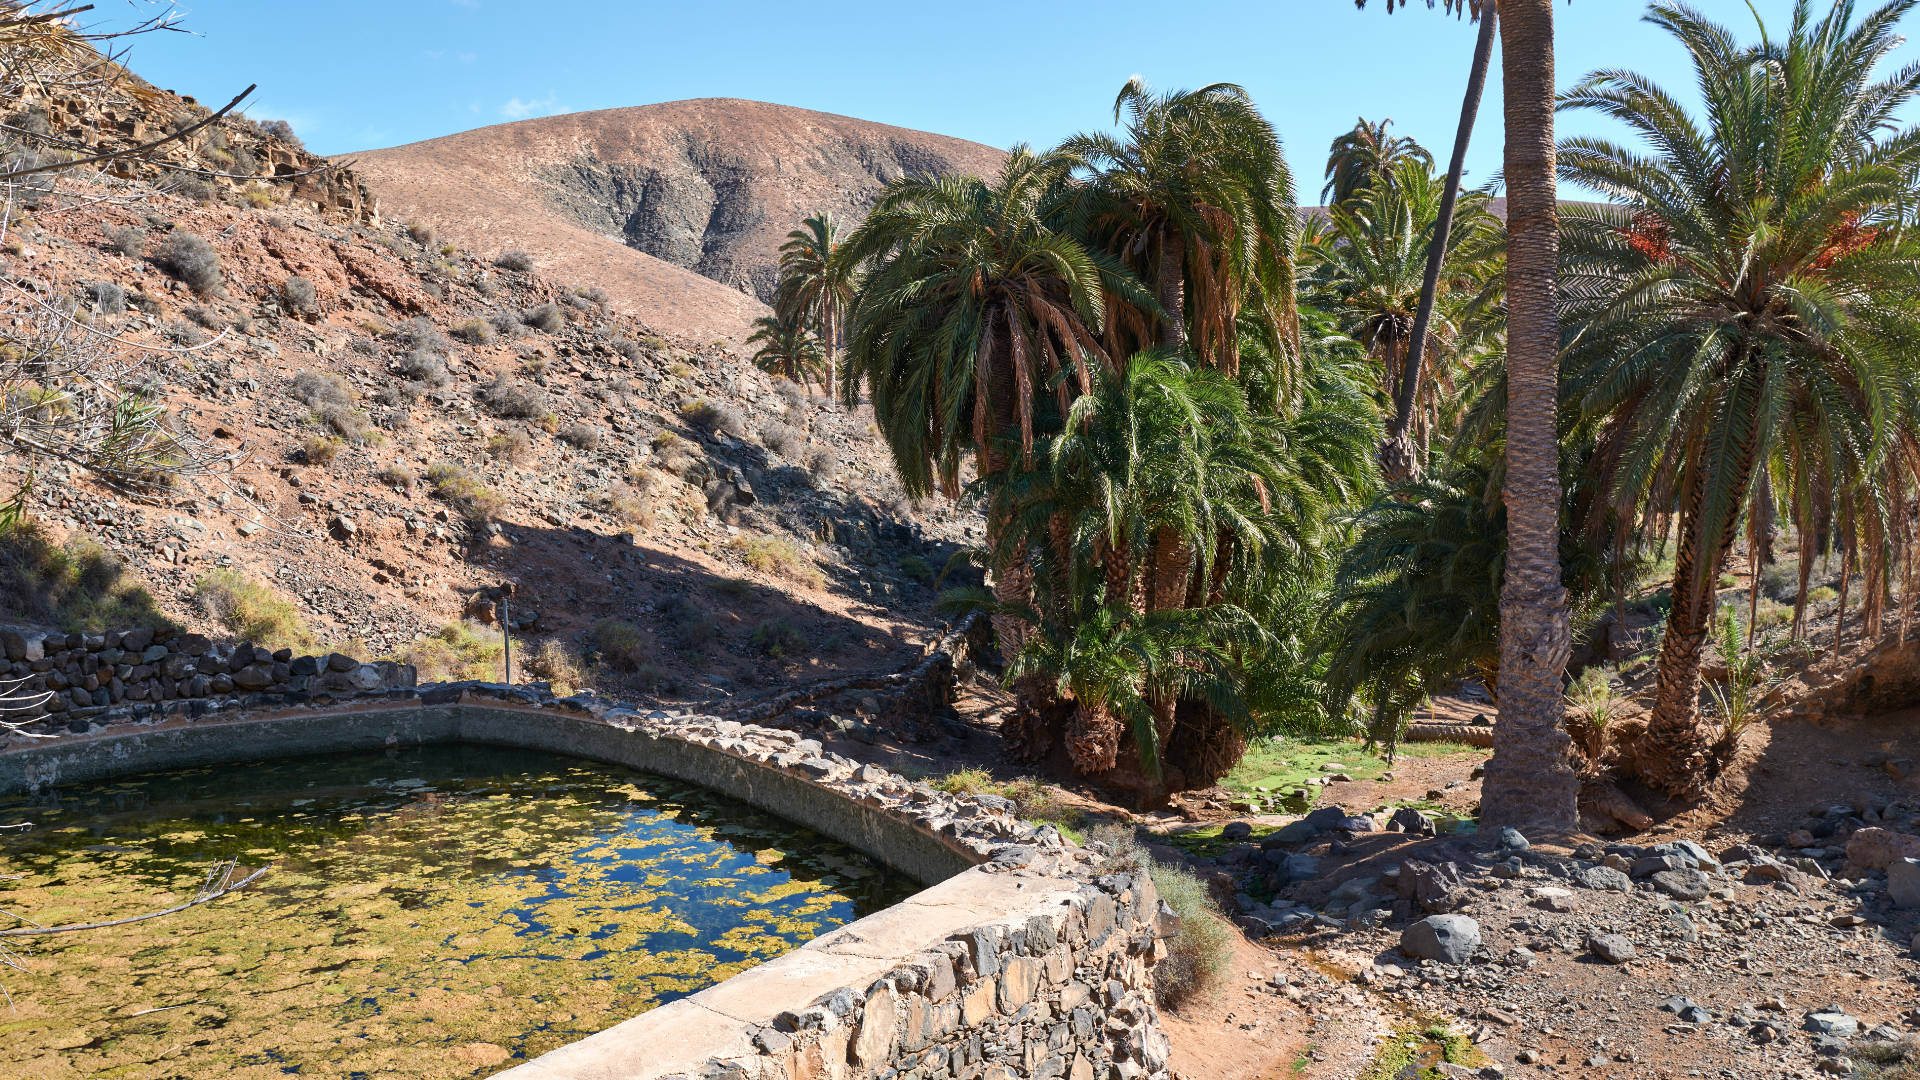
column 359, row 74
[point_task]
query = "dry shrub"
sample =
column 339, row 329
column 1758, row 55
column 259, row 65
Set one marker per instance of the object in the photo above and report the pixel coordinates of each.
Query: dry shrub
column 320, row 450
column 191, row 260
column 473, row 500
column 514, row 447
column 251, row 611
column 554, row 662
column 458, row 651
column 505, row 400
column 710, row 417
column 823, row 465
column 515, row 260
column 779, row 558
column 425, row 367
column 782, row 440
column 474, row 331
column 583, row 437
column 1199, row 959
column 547, row 317
column 299, row 296
column 779, row 639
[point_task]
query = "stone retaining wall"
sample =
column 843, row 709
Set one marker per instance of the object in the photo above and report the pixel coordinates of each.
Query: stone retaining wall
column 76, row 677
column 1026, row 956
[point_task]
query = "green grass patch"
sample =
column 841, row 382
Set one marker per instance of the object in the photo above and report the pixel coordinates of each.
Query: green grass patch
column 252, row 611
column 1207, row 843
column 78, row 586
column 1418, row 1051
column 457, row 651
column 1273, row 769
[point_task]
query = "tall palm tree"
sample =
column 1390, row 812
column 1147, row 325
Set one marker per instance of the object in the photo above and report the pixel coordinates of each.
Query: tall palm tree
column 1367, row 271
column 1747, row 308
column 817, row 279
column 1196, row 199
column 1397, row 458
column 975, row 311
column 1529, row 780
column 789, row 350
column 1367, row 157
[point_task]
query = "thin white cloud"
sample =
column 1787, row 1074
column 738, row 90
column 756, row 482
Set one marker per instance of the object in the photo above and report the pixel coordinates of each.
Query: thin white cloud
column 517, row 109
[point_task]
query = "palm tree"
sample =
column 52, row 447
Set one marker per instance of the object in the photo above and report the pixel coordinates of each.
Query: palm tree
column 1197, row 200
column 1367, row 157
column 1397, row 458
column 1367, row 270
column 975, row 307
column 1529, row 781
column 1747, row 308
column 817, row 279
column 789, row 350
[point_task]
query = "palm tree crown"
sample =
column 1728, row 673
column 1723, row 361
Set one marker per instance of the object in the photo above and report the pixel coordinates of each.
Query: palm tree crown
column 1368, row 157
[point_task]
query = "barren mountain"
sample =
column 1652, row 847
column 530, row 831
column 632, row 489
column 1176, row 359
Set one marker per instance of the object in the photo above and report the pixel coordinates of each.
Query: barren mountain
column 640, row 200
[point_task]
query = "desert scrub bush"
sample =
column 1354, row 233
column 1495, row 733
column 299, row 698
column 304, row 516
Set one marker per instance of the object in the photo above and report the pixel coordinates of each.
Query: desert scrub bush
column 777, row 557
column 77, row 585
column 535, row 365
column 1200, row 956
column 582, row 437
column 106, row 297
column 322, row 388
column 917, row 569
column 679, row 370
column 425, row 367
column 474, row 332
column 510, row 402
column 283, row 131
column 1822, row 595
column 711, row 417
column 251, row 611
column 262, row 196
column 782, row 440
column 515, row 260
column 823, row 465
column 779, row 639
column 505, row 324
column 628, row 349
column 1780, row 583
column 192, row 261
column 298, row 295
column 129, row 241
column 320, row 450
column 694, row 627
column 626, row 506
column 455, row 652
column 396, row 475
column 592, row 294
column 186, row 334
column 421, row 232
column 621, row 645
column 513, row 447
column 546, row 317
column 202, row 318
column 420, row 333
column 459, row 489
column 554, row 663
column 790, row 392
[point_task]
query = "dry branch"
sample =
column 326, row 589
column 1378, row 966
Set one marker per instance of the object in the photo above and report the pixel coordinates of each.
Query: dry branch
column 221, row 872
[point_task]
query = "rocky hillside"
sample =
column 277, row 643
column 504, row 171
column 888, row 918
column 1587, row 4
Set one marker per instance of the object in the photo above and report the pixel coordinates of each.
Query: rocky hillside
column 710, row 186
column 404, row 425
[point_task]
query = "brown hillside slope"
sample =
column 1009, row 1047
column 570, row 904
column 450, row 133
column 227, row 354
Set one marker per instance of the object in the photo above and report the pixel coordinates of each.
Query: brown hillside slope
column 635, row 198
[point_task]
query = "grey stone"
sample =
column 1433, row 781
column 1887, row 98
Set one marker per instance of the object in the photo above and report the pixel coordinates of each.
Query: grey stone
column 1410, row 821
column 1449, row 939
column 136, row 640
column 1832, row 1022
column 1683, row 884
column 1302, row 867
column 341, row 662
column 1235, row 831
column 1612, row 948
column 1603, row 878
column 1903, row 882
column 1512, row 840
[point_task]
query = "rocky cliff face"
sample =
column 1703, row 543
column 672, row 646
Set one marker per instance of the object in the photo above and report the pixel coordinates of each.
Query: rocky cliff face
column 711, row 186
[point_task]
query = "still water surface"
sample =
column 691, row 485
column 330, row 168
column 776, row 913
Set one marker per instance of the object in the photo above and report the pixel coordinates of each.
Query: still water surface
column 440, row 912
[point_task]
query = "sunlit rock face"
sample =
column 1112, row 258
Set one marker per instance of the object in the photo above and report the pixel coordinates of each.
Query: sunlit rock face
column 438, row 912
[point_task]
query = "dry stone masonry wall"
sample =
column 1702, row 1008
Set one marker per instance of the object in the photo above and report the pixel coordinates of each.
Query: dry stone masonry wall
column 1026, row 957
column 125, row 675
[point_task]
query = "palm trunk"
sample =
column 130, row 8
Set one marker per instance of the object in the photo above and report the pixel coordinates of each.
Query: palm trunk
column 1170, row 287
column 1530, row 781
column 1675, row 755
column 1398, row 459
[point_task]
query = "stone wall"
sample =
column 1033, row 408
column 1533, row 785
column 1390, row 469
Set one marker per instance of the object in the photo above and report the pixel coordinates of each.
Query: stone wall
column 1025, row 957
column 81, row 679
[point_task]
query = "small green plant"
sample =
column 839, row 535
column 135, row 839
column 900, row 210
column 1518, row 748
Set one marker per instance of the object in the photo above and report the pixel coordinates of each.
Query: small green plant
column 1592, row 707
column 251, row 610
column 779, row 639
column 917, row 569
column 1824, row 594
column 621, row 645
column 1738, row 700
column 735, row 588
column 513, row 447
column 320, row 450
column 397, row 476
column 77, row 586
column 1200, row 958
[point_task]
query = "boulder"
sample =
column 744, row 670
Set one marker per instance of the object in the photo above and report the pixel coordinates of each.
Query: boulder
column 1612, row 948
column 1683, row 884
column 1903, row 883
column 1410, row 821
column 1603, row 878
column 1450, row 939
column 1874, row 848
column 1235, row 831
column 1433, row 887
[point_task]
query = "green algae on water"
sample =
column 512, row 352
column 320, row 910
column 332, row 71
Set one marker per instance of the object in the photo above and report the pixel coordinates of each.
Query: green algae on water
column 439, row 912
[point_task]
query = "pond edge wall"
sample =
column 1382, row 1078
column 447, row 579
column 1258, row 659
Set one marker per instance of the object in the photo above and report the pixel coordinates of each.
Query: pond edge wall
column 1024, row 957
